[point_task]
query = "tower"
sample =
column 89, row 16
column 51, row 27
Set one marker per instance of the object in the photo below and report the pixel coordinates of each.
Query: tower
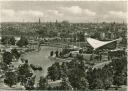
column 39, row 21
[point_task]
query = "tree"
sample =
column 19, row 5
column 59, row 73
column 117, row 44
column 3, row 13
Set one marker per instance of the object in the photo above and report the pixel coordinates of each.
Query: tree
column 107, row 76
column 54, row 72
column 81, row 51
column 8, row 40
column 97, row 84
column 120, row 71
column 4, row 66
column 42, row 31
column 10, row 78
column 80, row 37
column 57, row 53
column 22, row 42
column 4, row 40
column 115, row 73
column 15, row 53
column 12, row 40
column 24, row 73
column 79, row 57
column 64, row 70
column 52, row 34
column 108, row 82
column 43, row 83
column 96, row 35
column 77, row 74
column 65, row 51
column 29, row 85
column 51, row 53
column 51, row 73
column 118, row 80
column 94, row 78
column 65, row 84
column 7, row 57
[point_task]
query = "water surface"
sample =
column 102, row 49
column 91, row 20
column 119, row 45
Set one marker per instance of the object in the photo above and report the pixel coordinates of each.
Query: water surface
column 41, row 58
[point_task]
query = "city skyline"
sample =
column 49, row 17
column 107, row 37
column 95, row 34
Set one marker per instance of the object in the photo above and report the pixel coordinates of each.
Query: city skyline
column 50, row 11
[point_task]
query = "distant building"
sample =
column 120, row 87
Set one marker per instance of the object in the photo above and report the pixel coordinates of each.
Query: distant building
column 102, row 35
column 86, row 35
column 17, row 38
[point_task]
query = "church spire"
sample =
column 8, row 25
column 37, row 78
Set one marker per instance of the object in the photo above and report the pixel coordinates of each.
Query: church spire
column 39, row 21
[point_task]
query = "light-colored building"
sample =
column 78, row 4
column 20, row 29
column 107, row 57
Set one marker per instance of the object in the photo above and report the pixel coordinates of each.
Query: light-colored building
column 102, row 35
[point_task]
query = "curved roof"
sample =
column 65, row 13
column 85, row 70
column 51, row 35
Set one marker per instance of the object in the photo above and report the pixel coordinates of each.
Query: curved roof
column 97, row 44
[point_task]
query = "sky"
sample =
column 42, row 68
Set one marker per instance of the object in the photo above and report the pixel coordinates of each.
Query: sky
column 72, row 11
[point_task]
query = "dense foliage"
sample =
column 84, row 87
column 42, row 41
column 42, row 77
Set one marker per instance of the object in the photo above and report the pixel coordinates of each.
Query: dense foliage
column 81, row 77
column 24, row 73
column 7, row 57
column 43, row 84
column 22, row 42
column 114, row 73
column 54, row 72
column 8, row 40
column 10, row 78
column 15, row 53
column 74, row 71
column 29, row 85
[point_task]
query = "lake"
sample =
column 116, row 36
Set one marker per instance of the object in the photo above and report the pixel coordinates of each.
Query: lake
column 41, row 58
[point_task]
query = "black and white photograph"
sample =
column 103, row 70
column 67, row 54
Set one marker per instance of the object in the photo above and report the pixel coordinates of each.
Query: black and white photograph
column 63, row 45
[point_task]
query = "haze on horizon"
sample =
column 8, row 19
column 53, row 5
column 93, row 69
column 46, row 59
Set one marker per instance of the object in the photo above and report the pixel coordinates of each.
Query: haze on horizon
column 72, row 11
